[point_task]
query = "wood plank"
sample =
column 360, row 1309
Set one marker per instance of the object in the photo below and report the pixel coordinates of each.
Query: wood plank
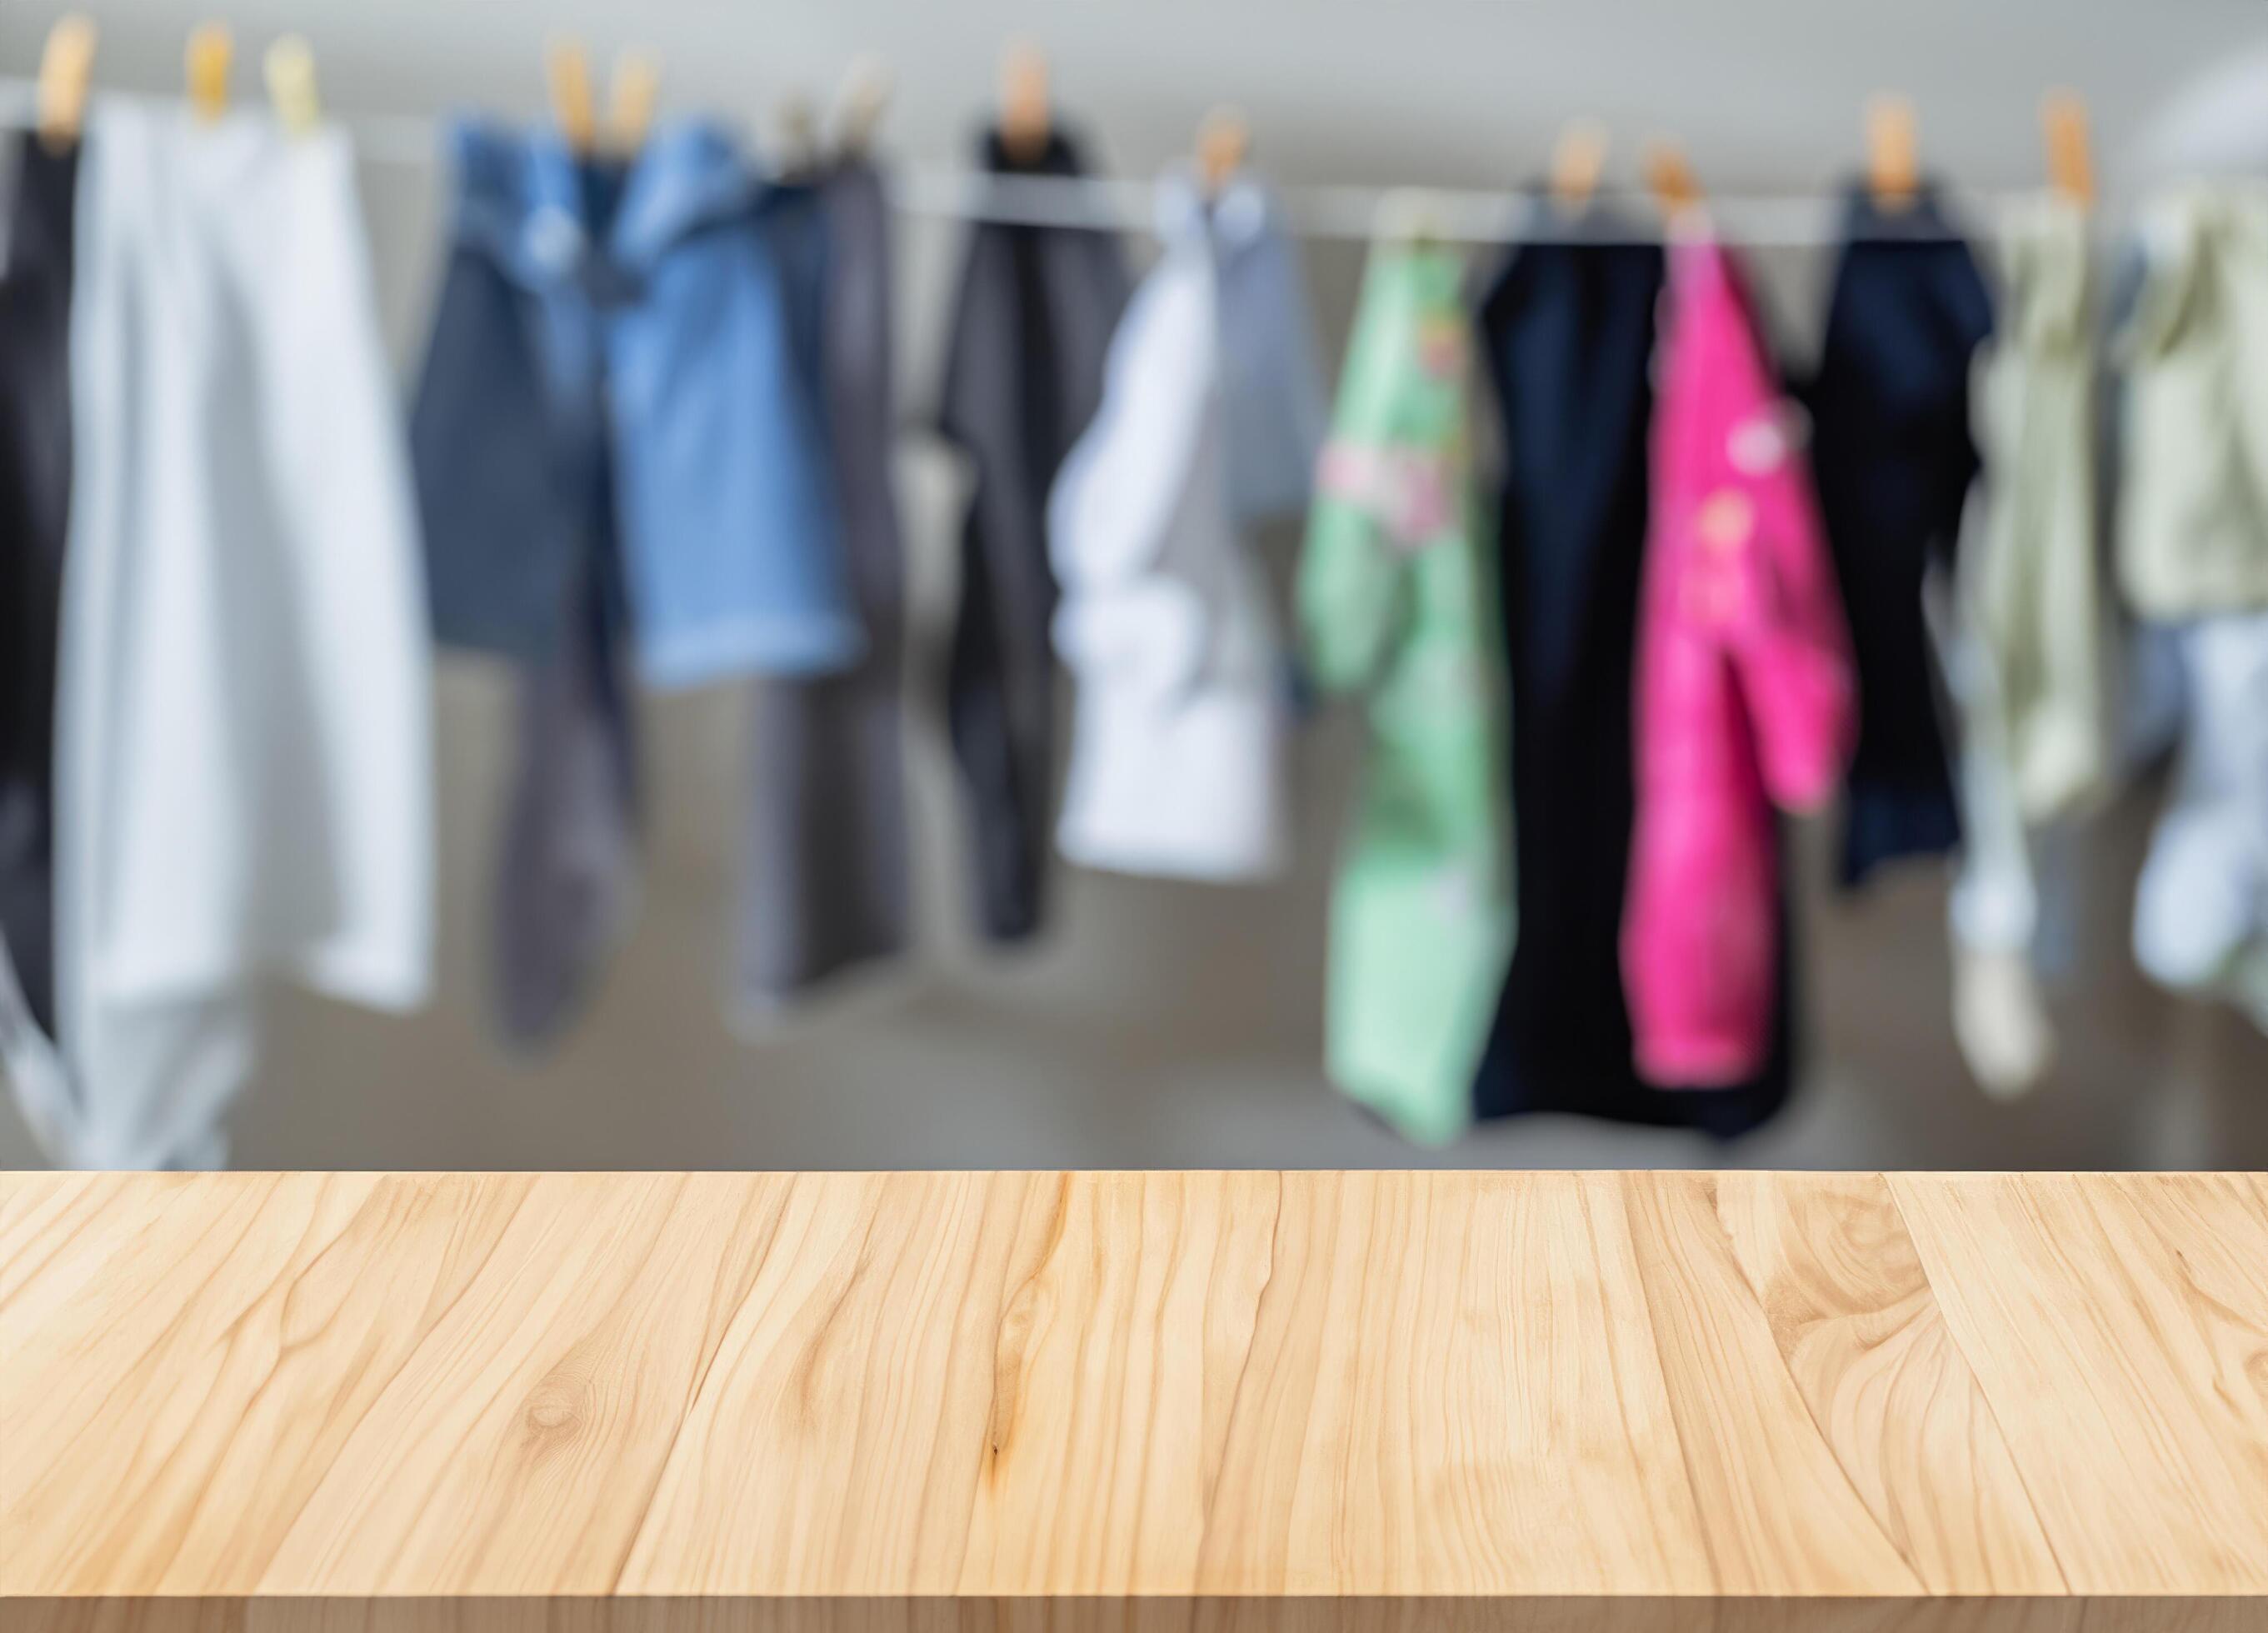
column 515, row 1446
column 1859, row 1329
column 1782, row 1514
column 1621, row 1401
column 1226, row 1383
column 2118, row 1325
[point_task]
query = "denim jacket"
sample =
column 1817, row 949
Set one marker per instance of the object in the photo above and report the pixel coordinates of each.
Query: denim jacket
column 625, row 360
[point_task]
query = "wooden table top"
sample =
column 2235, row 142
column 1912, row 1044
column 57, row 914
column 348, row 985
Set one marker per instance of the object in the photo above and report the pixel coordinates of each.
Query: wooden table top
column 919, row 1387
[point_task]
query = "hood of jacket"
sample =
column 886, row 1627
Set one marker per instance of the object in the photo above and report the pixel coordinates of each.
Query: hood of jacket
column 545, row 214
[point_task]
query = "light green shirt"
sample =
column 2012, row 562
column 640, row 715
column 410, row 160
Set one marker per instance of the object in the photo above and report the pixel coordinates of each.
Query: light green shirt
column 1397, row 605
column 2193, row 514
column 2032, row 583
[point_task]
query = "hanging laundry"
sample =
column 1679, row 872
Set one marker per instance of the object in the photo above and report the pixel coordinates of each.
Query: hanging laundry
column 2000, row 1021
column 2010, row 897
column 1398, row 605
column 2026, row 648
column 823, row 884
column 244, row 765
column 1032, row 323
column 2193, row 512
column 39, row 186
column 565, row 887
column 625, row 362
column 1995, row 908
column 2029, row 584
column 1568, row 330
column 2193, row 559
column 1211, row 419
column 1744, row 686
column 1893, row 455
column 2201, row 909
column 620, row 445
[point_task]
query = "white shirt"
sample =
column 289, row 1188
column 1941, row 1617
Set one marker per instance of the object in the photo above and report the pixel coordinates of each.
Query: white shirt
column 244, row 754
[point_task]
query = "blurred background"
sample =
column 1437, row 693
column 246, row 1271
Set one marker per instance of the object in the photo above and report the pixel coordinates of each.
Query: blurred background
column 1162, row 1024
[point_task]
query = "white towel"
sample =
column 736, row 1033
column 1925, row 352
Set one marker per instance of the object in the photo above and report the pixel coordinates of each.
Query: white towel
column 244, row 754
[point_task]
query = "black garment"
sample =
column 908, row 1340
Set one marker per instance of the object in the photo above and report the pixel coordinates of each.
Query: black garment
column 823, row 883
column 1894, row 459
column 1023, row 376
column 1568, row 330
column 38, row 186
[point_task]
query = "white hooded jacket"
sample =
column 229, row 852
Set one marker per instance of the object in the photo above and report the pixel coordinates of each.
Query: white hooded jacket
column 1212, row 417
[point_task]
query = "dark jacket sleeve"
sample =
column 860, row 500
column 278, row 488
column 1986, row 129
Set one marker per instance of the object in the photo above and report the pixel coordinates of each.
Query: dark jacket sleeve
column 500, row 540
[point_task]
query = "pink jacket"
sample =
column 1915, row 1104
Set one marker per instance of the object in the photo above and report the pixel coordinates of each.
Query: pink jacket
column 1744, row 692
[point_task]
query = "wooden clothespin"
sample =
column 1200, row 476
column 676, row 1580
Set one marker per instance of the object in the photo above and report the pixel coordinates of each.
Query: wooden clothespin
column 567, row 71
column 1893, row 153
column 1025, row 117
column 2071, row 159
column 1578, row 159
column 1670, row 179
column 860, row 103
column 66, row 69
column 630, row 101
column 206, row 63
column 289, row 66
column 1224, row 140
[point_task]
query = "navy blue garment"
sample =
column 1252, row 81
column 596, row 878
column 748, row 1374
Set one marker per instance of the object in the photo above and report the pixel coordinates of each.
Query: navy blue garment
column 35, row 466
column 1033, row 320
column 1567, row 330
column 566, row 864
column 660, row 319
column 823, row 884
column 1893, row 455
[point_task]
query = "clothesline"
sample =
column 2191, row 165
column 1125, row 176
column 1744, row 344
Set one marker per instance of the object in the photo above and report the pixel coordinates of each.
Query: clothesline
column 1459, row 215
column 1805, row 219
column 1463, row 215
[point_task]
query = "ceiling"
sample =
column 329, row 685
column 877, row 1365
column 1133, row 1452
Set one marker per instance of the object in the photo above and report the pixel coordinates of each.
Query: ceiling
column 1765, row 93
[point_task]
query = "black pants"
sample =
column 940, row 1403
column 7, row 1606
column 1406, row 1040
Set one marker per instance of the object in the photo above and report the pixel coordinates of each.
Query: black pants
column 37, row 185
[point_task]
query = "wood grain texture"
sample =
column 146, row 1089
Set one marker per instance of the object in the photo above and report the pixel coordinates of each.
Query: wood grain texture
column 1345, row 1401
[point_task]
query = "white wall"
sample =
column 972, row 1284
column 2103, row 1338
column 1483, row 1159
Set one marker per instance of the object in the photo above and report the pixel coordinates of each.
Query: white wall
column 1165, row 1025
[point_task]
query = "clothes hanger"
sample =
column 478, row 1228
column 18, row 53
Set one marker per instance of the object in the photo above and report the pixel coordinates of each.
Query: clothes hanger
column 860, row 105
column 1224, row 141
column 1676, row 190
column 1893, row 153
column 2071, row 159
column 567, row 72
column 206, row 64
column 66, row 69
column 1026, row 119
column 289, row 66
column 630, row 102
column 1578, row 159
